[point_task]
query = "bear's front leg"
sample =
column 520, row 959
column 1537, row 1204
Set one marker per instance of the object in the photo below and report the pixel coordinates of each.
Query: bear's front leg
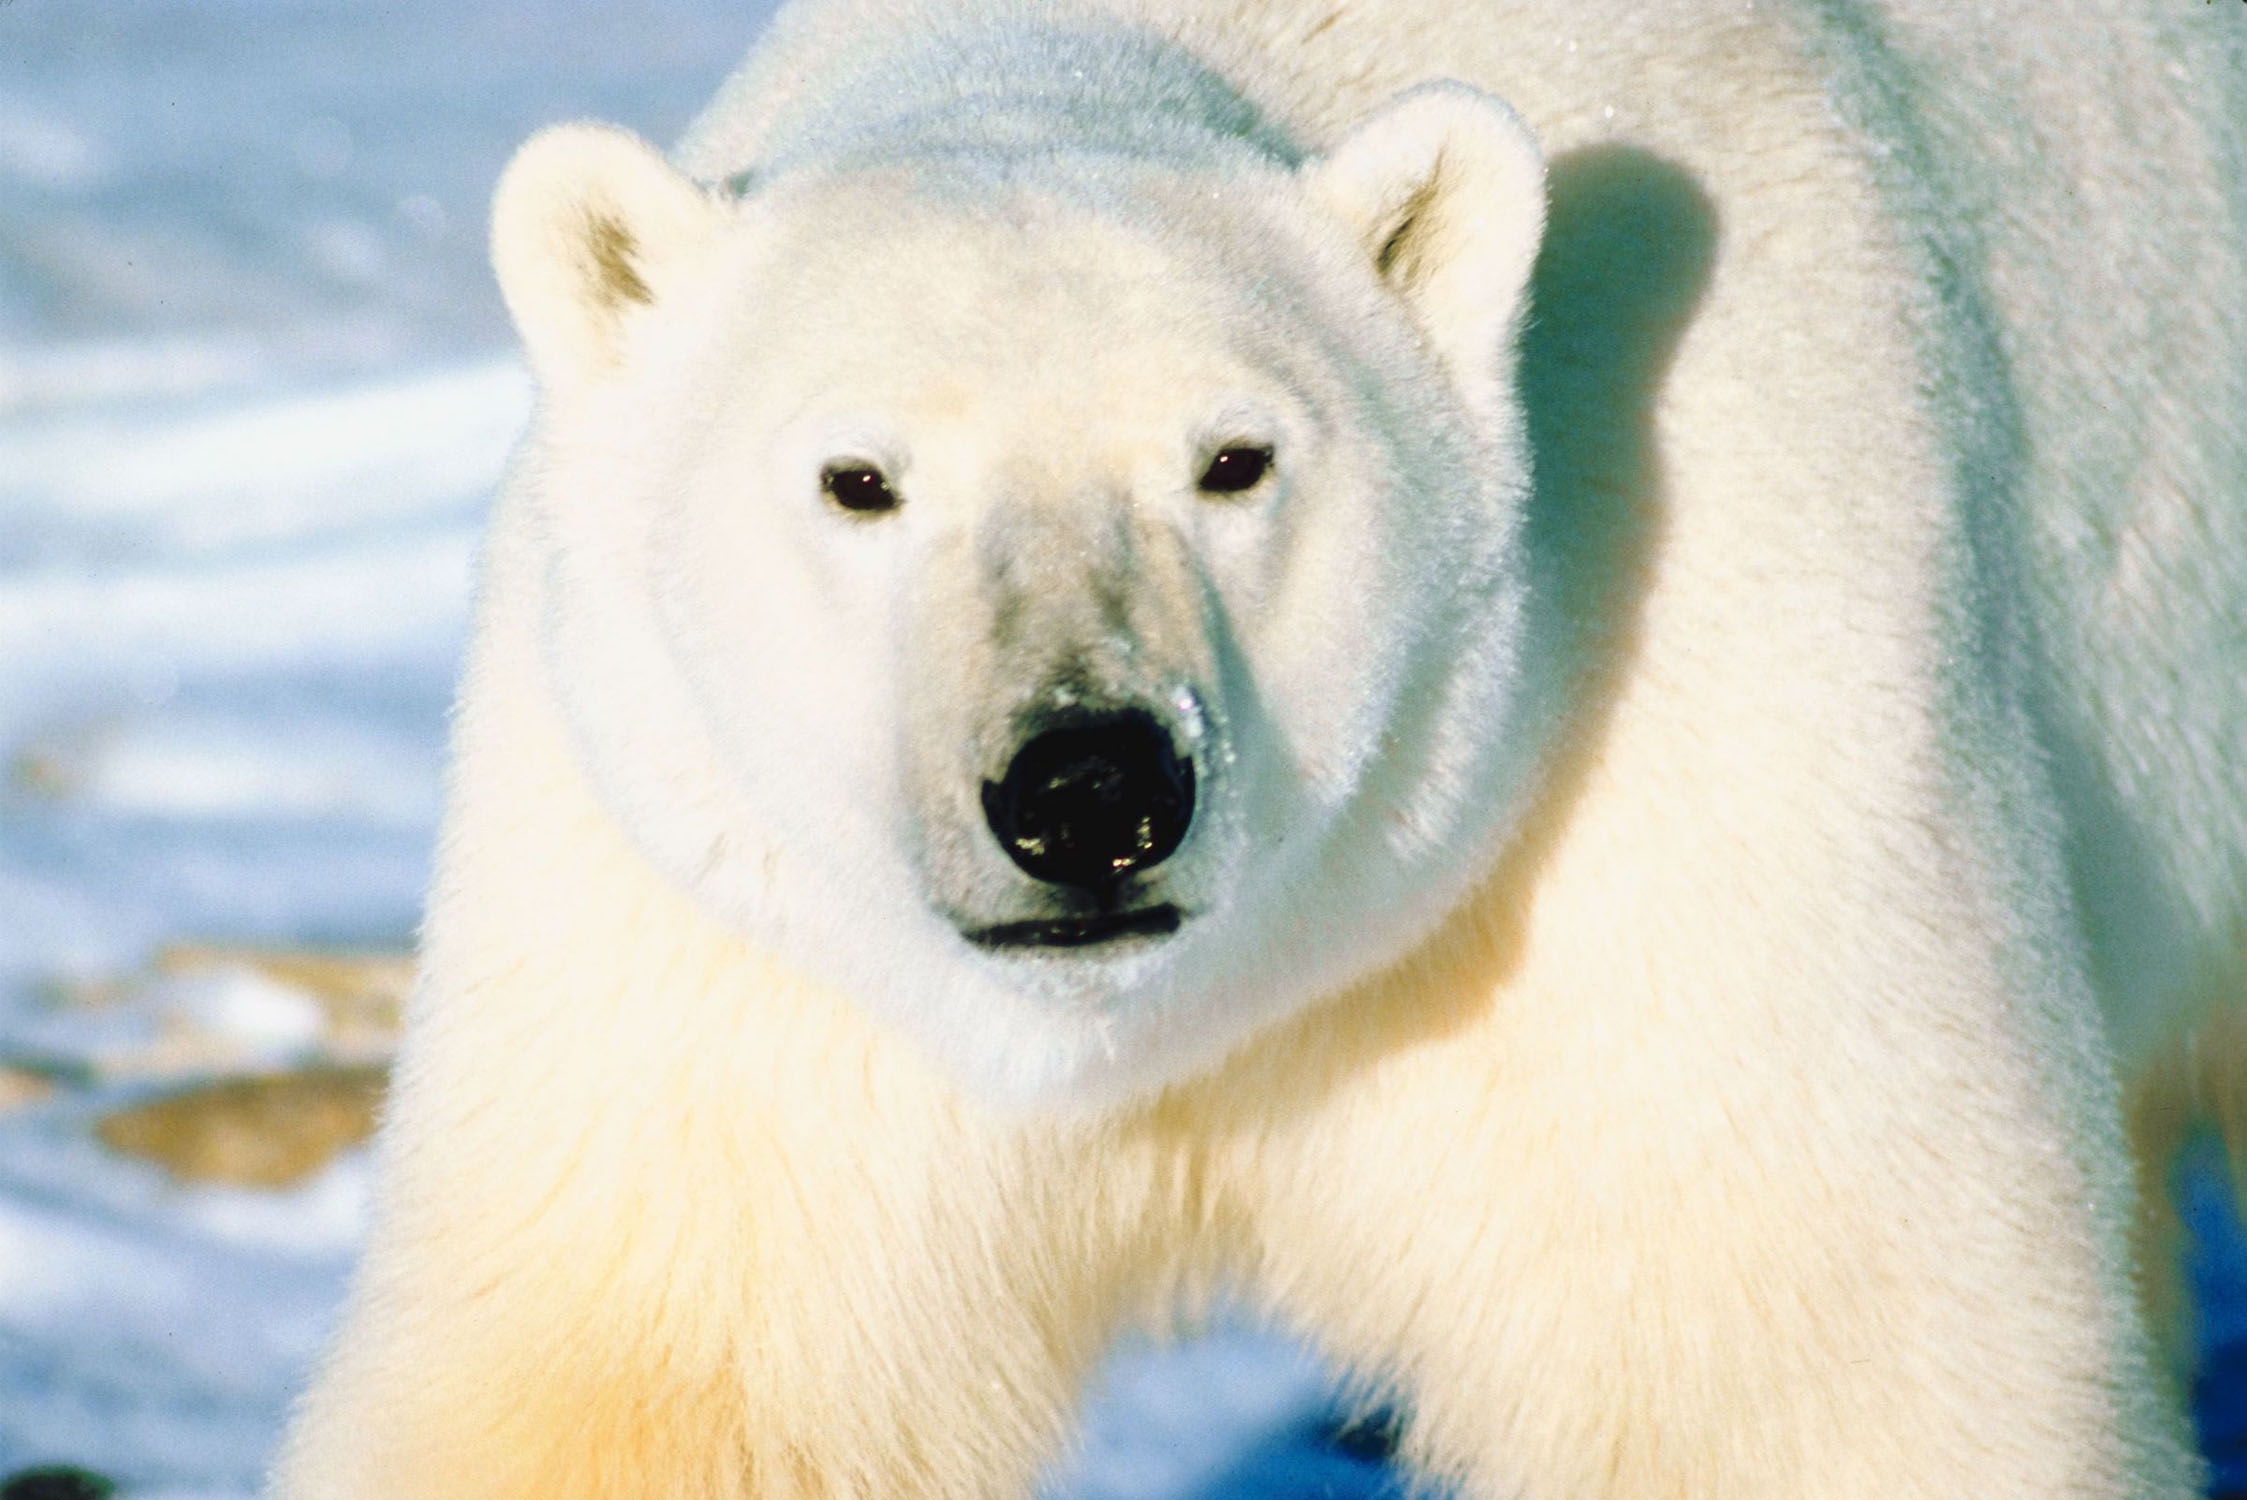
column 1608, row 1243
column 669, row 1289
column 657, row 1219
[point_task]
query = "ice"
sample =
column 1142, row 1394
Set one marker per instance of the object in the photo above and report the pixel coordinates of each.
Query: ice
column 45, row 149
column 296, row 466
column 209, row 765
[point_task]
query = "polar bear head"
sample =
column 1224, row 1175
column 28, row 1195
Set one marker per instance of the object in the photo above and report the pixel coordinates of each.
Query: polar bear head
column 1068, row 599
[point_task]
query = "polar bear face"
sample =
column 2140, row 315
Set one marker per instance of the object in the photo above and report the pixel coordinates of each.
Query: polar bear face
column 1070, row 604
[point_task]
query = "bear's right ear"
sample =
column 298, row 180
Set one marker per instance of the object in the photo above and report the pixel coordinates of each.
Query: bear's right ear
column 589, row 224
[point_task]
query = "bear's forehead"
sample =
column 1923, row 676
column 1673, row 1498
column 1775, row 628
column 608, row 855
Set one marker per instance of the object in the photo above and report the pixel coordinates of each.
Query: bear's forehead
column 1003, row 322
column 1000, row 280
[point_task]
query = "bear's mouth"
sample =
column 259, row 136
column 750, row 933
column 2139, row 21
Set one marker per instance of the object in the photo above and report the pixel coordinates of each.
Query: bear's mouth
column 1079, row 932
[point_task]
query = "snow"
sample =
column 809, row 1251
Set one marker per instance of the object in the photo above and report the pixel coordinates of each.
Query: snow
column 255, row 389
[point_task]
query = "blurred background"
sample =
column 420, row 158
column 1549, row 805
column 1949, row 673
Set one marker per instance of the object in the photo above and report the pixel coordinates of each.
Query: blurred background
column 255, row 388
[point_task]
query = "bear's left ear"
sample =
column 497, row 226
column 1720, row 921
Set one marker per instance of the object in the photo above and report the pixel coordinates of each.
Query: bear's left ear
column 1444, row 189
column 589, row 225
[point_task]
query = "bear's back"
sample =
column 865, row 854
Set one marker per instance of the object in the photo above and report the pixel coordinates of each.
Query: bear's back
column 2090, row 188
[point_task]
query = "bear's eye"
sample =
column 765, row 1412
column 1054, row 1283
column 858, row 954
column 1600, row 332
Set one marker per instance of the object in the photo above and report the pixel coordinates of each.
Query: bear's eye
column 1234, row 469
column 857, row 487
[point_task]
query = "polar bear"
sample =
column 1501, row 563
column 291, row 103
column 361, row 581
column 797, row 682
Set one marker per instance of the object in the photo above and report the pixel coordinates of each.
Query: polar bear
column 1150, row 644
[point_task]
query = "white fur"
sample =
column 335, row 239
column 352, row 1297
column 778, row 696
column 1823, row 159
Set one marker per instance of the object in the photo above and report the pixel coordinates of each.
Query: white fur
column 737, row 660
column 1641, row 994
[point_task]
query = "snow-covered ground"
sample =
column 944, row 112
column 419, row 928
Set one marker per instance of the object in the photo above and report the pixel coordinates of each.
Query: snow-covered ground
column 255, row 386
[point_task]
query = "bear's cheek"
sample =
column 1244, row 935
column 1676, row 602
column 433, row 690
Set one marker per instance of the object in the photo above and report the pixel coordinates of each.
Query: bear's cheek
column 788, row 665
column 1319, row 648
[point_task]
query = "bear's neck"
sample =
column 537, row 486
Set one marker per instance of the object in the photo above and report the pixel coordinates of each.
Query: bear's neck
column 1018, row 92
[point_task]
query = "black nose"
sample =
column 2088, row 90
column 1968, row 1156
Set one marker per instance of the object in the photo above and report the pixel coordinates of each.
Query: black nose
column 1092, row 801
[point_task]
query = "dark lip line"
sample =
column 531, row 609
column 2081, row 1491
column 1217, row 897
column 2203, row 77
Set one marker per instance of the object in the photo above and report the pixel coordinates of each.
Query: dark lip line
column 1078, row 932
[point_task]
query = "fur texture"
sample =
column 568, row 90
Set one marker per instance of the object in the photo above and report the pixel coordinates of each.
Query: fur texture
column 1686, row 773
